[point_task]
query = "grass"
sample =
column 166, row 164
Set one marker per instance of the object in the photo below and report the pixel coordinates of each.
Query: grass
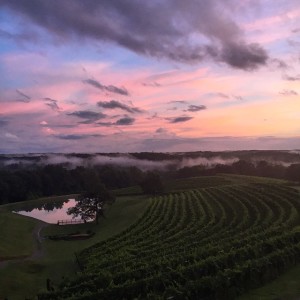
column 26, row 278
column 132, row 190
column 22, row 280
column 245, row 179
column 285, row 287
column 16, row 235
column 195, row 182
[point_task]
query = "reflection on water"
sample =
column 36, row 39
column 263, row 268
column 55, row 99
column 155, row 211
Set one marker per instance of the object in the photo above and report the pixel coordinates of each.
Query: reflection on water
column 49, row 212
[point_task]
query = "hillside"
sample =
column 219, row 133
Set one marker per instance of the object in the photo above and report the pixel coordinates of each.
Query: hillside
column 202, row 243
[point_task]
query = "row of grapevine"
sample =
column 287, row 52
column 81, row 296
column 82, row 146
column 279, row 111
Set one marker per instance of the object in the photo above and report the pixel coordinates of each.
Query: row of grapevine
column 208, row 243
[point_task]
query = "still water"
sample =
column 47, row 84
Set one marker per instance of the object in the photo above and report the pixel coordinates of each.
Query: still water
column 49, row 212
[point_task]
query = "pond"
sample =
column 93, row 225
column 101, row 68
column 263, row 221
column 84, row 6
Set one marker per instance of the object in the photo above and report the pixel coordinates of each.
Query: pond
column 49, row 212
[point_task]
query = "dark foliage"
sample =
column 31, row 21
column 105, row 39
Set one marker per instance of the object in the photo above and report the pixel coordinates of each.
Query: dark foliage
column 152, row 184
column 90, row 204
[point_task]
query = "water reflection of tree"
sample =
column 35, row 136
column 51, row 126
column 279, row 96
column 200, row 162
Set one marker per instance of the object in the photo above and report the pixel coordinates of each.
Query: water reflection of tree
column 54, row 205
column 48, row 206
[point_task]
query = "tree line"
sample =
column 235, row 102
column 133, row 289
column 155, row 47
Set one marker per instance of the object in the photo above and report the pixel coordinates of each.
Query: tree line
column 243, row 167
column 24, row 184
column 21, row 185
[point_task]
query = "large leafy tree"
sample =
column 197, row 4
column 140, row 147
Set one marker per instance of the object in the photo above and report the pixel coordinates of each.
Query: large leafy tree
column 90, row 204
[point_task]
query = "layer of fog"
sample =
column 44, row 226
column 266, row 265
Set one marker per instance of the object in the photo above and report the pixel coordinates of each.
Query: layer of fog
column 122, row 160
column 127, row 160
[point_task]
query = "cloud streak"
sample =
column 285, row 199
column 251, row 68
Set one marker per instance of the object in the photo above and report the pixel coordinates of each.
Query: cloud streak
column 25, row 98
column 291, row 78
column 288, row 93
column 89, row 116
column 195, row 108
column 76, row 136
column 125, row 121
column 180, row 119
column 52, row 104
column 113, row 104
column 107, row 88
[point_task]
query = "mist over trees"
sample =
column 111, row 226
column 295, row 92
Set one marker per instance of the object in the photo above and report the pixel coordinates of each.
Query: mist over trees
column 22, row 182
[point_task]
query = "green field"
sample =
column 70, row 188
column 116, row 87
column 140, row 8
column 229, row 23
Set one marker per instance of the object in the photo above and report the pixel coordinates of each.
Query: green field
column 228, row 234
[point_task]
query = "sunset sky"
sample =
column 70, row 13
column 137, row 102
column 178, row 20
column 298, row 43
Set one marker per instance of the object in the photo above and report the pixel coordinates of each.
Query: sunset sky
column 159, row 75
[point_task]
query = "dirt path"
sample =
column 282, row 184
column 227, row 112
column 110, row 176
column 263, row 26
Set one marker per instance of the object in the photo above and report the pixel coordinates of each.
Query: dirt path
column 38, row 251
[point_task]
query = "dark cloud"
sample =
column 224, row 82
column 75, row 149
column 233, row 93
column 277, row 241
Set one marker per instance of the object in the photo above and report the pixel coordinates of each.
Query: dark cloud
column 194, row 108
column 107, row 88
column 296, row 30
column 89, row 116
column 179, row 119
column 76, row 136
column 125, row 121
column 243, row 56
column 113, row 104
column 291, row 78
column 162, row 29
column 25, row 98
column 52, row 104
column 288, row 93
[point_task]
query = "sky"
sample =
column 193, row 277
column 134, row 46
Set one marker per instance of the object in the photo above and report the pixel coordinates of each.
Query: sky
column 160, row 75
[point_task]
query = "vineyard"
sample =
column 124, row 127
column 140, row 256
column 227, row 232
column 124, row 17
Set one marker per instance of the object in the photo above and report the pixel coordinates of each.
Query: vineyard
column 207, row 243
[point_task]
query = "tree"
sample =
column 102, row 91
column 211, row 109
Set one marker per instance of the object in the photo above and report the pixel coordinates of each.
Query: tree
column 90, row 204
column 152, row 184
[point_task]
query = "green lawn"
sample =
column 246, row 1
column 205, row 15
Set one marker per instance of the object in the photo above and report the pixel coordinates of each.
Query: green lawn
column 195, row 182
column 286, row 287
column 26, row 278
column 15, row 235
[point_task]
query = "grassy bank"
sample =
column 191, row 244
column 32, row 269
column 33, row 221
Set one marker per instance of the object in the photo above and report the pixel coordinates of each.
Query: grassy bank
column 25, row 278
